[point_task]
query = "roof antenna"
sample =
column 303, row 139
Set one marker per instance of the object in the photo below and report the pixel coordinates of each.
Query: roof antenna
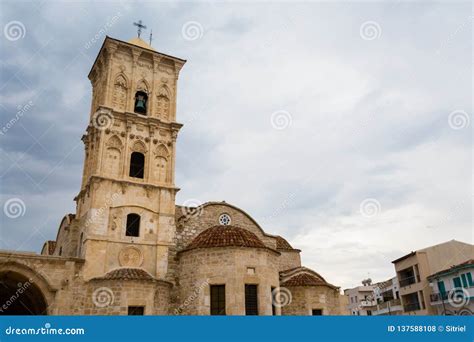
column 151, row 36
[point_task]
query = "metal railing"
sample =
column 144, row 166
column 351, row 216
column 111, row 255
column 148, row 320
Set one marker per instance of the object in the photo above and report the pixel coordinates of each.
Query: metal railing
column 411, row 307
column 438, row 297
column 407, row 281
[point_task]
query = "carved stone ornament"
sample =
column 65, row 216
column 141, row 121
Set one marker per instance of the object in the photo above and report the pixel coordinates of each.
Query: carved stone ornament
column 131, row 257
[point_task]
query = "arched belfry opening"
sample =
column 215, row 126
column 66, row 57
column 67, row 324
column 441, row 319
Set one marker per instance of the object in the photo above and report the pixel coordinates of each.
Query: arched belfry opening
column 20, row 295
column 141, row 102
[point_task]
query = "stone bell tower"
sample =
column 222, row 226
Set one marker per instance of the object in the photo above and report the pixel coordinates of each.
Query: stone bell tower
column 126, row 204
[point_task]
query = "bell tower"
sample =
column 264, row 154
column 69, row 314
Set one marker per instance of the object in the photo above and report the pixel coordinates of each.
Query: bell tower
column 126, row 204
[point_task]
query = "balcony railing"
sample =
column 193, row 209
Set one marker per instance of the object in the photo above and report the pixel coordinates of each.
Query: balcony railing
column 438, row 297
column 392, row 303
column 365, row 302
column 411, row 307
column 407, row 281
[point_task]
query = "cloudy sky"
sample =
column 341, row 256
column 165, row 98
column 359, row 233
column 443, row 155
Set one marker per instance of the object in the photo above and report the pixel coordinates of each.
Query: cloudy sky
column 345, row 127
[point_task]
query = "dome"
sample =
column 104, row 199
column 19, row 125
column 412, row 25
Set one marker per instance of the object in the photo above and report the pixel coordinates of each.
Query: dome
column 226, row 236
column 281, row 243
column 128, row 274
column 141, row 43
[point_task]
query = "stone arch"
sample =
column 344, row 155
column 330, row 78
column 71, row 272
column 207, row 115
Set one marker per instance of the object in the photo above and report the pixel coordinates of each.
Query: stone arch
column 143, row 86
column 139, row 146
column 24, row 290
column 113, row 157
column 119, row 98
column 163, row 103
column 161, row 164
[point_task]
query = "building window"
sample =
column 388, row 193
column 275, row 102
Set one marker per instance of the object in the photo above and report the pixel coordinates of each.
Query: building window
column 133, row 225
column 136, row 310
column 469, row 279
column 217, row 300
column 137, row 165
column 411, row 302
column 60, row 251
column 317, row 312
column 141, row 99
column 251, row 301
column 273, row 295
column 369, row 313
column 224, row 220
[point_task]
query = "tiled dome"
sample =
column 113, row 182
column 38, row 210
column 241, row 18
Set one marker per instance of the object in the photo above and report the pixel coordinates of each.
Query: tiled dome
column 226, row 236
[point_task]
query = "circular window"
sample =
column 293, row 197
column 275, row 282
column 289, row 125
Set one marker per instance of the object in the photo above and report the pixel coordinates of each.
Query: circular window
column 224, row 220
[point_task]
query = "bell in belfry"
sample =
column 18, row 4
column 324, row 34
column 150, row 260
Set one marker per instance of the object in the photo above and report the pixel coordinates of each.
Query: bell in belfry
column 140, row 103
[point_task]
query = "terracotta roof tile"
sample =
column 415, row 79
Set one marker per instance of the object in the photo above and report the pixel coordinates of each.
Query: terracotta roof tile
column 226, row 236
column 304, row 279
column 128, row 274
column 281, row 243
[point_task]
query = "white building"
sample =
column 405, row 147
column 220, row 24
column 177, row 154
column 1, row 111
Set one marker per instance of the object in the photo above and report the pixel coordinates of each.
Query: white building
column 453, row 289
column 361, row 300
column 387, row 296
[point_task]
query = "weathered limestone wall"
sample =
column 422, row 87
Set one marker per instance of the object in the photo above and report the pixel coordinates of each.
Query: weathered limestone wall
column 226, row 266
column 288, row 259
column 307, row 298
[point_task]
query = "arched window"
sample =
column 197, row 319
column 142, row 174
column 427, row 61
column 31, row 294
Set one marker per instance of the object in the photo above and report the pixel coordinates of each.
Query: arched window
column 133, row 225
column 141, row 99
column 80, row 245
column 137, row 164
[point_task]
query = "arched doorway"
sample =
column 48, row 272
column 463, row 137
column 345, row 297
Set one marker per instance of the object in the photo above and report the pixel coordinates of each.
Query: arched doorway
column 20, row 296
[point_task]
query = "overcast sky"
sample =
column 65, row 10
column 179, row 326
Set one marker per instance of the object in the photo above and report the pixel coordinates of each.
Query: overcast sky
column 345, row 127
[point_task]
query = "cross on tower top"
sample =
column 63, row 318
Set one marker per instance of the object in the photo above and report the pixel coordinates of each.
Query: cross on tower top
column 140, row 27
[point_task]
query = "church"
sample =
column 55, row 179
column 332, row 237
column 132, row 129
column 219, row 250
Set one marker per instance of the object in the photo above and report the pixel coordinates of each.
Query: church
column 129, row 249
